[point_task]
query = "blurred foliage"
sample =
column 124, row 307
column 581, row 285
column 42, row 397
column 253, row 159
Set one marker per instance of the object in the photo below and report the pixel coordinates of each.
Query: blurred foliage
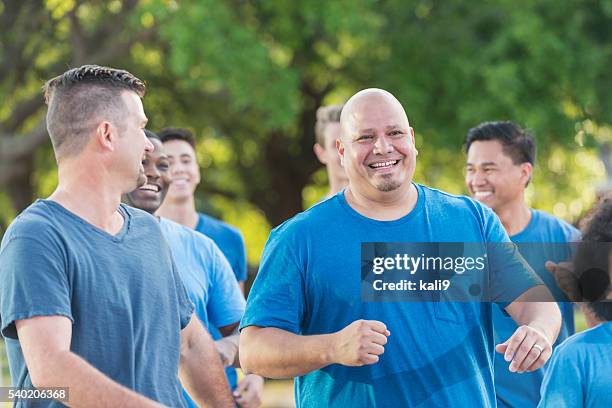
column 247, row 77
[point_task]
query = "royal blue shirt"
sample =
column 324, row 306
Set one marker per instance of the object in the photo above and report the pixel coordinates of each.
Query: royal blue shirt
column 580, row 371
column 542, row 240
column 438, row 354
column 122, row 294
column 207, row 276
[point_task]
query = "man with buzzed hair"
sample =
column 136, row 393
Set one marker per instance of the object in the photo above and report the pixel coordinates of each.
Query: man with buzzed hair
column 305, row 317
column 327, row 131
column 89, row 296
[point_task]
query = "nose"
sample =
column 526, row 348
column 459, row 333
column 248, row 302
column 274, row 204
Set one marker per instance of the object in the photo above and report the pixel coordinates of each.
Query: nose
column 148, row 145
column 383, row 145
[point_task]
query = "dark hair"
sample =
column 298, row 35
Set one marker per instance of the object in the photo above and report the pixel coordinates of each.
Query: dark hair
column 185, row 135
column 152, row 135
column 592, row 260
column 326, row 115
column 517, row 143
column 80, row 98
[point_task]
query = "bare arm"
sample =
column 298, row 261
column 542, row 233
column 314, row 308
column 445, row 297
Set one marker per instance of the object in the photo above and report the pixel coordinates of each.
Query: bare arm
column 45, row 342
column 276, row 353
column 200, row 370
column 530, row 346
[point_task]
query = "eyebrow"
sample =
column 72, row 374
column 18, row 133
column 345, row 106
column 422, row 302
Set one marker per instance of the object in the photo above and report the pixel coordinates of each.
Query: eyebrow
column 482, row 164
column 391, row 127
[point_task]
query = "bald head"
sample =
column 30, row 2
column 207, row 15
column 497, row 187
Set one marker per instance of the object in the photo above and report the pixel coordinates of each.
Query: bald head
column 371, row 105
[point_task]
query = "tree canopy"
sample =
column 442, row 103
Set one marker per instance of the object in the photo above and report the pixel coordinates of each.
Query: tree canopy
column 248, row 76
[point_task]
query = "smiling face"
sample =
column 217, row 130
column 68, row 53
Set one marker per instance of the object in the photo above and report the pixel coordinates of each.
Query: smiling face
column 184, row 169
column 491, row 176
column 149, row 196
column 377, row 145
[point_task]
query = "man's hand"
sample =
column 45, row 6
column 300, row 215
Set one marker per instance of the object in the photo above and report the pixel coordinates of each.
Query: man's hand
column 566, row 279
column 527, row 349
column 249, row 391
column 360, row 343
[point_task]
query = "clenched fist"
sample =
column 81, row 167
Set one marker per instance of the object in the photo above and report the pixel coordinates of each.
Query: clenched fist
column 360, row 343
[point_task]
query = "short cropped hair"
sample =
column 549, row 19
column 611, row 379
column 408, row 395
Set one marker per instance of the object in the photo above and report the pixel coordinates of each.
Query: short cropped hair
column 517, row 143
column 80, row 98
column 326, row 115
column 185, row 135
column 592, row 260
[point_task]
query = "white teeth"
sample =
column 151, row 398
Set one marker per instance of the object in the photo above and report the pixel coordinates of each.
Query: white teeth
column 383, row 164
column 482, row 194
column 150, row 187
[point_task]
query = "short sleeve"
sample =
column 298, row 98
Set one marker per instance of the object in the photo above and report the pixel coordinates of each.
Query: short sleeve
column 33, row 282
column 226, row 303
column 277, row 296
column 562, row 386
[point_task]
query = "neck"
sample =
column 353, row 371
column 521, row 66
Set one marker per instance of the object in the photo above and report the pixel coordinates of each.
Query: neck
column 335, row 186
column 515, row 216
column 89, row 193
column 383, row 206
column 180, row 211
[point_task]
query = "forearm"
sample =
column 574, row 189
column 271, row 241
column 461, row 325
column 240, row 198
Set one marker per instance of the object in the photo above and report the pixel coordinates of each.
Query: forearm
column 202, row 373
column 544, row 316
column 228, row 350
column 87, row 387
column 276, row 353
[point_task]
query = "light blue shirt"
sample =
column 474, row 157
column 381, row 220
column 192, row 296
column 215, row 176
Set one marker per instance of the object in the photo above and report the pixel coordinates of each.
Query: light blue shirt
column 207, row 276
column 580, row 371
column 438, row 354
column 228, row 239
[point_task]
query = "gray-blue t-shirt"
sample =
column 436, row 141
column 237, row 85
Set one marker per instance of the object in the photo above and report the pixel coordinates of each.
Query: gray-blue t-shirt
column 122, row 293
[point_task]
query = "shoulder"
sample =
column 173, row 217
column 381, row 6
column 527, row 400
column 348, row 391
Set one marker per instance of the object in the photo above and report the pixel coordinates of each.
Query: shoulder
column 454, row 204
column 311, row 219
column 174, row 231
column 556, row 225
column 36, row 222
column 578, row 345
column 219, row 227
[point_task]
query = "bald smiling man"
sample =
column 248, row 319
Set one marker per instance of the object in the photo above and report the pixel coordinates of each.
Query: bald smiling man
column 305, row 317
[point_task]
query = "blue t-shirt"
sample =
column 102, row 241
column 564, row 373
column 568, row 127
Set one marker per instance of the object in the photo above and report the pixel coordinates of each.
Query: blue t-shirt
column 230, row 242
column 207, row 276
column 53, row 262
column 523, row 390
column 580, row 371
column 228, row 239
column 438, row 354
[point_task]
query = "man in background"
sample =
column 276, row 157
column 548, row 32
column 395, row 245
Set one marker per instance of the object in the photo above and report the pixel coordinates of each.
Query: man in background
column 179, row 206
column 207, row 276
column 500, row 160
column 327, row 131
